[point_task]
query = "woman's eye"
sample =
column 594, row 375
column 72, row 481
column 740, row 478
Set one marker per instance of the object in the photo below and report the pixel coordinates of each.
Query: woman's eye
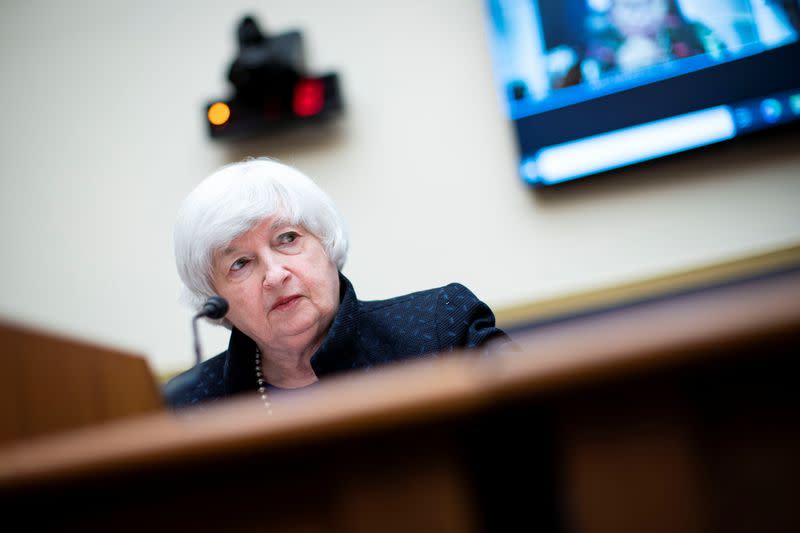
column 239, row 264
column 288, row 237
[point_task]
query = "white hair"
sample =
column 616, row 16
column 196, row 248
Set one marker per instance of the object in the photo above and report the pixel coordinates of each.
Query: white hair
column 236, row 198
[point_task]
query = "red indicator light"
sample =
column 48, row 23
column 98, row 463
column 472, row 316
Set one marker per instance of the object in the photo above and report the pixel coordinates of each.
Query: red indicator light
column 309, row 97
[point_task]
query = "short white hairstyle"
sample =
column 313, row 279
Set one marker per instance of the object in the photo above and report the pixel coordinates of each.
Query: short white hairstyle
column 235, row 199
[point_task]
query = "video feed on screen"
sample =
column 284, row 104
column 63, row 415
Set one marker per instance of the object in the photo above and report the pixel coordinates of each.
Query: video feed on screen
column 594, row 85
column 552, row 53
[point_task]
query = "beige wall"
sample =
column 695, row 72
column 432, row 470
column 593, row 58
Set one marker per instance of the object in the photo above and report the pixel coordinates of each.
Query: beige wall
column 102, row 136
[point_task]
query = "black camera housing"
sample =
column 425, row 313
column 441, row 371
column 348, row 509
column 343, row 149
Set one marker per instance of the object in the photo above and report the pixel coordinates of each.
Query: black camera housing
column 272, row 88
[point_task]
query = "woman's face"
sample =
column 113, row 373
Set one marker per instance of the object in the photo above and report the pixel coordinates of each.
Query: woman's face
column 639, row 17
column 282, row 288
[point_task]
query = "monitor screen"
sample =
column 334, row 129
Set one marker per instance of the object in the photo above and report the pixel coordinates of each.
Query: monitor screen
column 593, row 85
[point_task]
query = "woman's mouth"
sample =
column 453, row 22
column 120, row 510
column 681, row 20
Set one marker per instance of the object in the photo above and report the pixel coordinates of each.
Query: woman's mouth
column 285, row 303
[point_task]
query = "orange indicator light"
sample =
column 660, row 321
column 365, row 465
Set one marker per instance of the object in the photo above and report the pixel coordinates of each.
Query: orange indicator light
column 219, row 113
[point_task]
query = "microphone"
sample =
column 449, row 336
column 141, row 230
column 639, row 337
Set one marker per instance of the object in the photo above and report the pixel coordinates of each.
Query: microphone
column 215, row 307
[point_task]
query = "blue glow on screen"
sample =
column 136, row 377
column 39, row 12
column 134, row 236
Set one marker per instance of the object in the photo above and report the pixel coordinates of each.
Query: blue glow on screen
column 555, row 55
column 627, row 146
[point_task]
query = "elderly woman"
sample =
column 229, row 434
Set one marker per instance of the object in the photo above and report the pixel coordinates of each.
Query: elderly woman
column 263, row 236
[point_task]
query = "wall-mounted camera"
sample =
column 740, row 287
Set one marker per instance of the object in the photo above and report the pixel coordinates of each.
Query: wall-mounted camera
column 272, row 88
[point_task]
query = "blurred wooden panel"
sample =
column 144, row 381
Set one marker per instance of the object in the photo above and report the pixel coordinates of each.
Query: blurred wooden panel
column 630, row 463
column 52, row 383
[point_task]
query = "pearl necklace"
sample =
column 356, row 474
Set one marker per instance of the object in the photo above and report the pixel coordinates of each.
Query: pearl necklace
column 262, row 384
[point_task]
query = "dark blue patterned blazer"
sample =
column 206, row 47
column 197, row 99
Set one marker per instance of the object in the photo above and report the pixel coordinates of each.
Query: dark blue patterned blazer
column 363, row 334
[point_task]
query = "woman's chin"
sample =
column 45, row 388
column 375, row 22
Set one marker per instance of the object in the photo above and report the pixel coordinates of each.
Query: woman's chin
column 295, row 327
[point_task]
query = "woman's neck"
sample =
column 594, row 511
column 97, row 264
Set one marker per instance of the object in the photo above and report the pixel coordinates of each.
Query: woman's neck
column 289, row 369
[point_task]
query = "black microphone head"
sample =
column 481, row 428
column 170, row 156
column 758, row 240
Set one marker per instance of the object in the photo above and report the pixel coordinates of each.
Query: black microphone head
column 215, row 307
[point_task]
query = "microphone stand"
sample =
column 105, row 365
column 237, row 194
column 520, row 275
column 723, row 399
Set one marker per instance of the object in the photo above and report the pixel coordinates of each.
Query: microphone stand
column 215, row 307
column 197, row 356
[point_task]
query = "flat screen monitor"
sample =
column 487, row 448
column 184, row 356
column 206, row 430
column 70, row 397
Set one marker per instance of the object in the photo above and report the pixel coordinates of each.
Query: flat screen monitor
column 594, row 85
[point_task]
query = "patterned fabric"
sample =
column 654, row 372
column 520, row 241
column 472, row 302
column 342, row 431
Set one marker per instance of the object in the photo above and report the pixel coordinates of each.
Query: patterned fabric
column 363, row 334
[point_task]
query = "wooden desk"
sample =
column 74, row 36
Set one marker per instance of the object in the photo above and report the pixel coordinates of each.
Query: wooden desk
column 677, row 415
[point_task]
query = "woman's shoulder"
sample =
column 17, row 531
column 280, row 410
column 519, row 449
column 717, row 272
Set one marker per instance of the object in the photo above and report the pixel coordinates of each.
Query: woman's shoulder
column 430, row 301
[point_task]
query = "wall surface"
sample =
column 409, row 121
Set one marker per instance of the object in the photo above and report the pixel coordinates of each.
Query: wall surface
column 103, row 135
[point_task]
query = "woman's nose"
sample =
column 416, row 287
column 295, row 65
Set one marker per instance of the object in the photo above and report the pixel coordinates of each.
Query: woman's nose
column 275, row 275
